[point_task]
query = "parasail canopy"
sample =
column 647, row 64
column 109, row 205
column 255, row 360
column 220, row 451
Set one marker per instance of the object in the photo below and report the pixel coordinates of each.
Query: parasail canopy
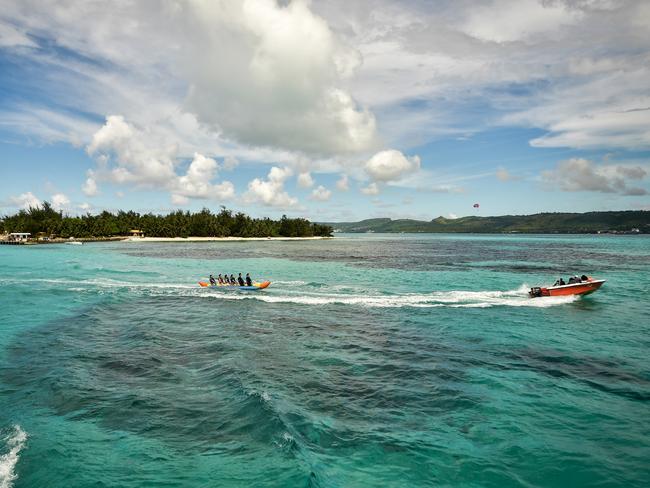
column 476, row 205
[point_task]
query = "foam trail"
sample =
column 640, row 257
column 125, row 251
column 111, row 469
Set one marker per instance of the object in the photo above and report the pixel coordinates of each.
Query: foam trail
column 102, row 283
column 372, row 299
column 15, row 441
column 453, row 299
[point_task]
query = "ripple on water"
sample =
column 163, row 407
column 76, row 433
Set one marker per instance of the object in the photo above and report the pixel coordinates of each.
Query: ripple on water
column 350, row 372
column 155, row 368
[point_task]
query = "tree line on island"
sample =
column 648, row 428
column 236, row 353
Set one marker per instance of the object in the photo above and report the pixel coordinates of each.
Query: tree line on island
column 46, row 220
column 628, row 222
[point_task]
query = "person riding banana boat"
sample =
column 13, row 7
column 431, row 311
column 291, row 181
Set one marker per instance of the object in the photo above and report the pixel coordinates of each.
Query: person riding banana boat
column 230, row 281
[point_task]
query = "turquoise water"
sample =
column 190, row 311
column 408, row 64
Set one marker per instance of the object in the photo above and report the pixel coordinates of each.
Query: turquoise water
column 373, row 360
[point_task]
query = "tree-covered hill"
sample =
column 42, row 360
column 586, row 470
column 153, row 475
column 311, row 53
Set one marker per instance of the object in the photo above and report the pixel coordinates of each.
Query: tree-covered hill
column 177, row 224
column 543, row 223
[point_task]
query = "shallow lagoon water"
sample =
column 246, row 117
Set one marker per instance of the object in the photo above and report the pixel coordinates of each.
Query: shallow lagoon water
column 372, row 360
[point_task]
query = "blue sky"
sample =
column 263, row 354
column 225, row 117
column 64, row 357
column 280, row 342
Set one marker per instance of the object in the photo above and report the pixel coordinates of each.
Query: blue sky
column 326, row 109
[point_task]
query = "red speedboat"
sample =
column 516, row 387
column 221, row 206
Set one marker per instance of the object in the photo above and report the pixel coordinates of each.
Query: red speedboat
column 582, row 287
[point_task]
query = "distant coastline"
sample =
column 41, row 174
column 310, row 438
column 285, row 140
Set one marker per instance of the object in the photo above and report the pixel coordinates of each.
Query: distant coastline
column 4, row 239
column 623, row 222
column 221, row 239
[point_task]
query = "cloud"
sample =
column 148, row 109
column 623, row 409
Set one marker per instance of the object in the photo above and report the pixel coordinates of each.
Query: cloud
column 126, row 154
column 467, row 66
column 305, row 180
column 503, row 174
column 25, row 200
column 633, row 173
column 196, row 182
column 283, row 86
column 371, row 189
column 585, row 121
column 343, row 184
column 636, row 191
column 578, row 174
column 48, row 125
column 377, row 202
column 12, row 37
column 230, row 163
column 391, row 165
column 321, row 194
column 179, row 200
column 259, row 80
column 442, row 189
column 270, row 192
column 60, row 201
column 89, row 188
column 265, row 80
column 515, row 20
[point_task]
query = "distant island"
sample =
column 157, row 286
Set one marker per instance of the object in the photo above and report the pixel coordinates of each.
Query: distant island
column 627, row 222
column 45, row 223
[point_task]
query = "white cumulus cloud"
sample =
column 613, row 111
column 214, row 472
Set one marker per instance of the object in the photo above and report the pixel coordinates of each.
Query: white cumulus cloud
column 269, row 80
column 89, row 188
column 270, row 192
column 60, row 201
column 230, row 163
column 321, row 194
column 391, row 165
column 305, row 180
column 196, row 182
column 371, row 189
column 578, row 174
column 253, row 73
column 25, row 200
column 283, row 86
column 179, row 200
column 126, row 154
column 343, row 183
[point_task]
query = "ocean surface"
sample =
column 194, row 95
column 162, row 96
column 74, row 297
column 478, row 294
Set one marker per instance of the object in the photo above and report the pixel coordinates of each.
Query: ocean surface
column 371, row 361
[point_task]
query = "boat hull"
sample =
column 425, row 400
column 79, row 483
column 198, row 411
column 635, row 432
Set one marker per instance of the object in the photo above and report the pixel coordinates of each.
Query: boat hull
column 582, row 288
column 255, row 287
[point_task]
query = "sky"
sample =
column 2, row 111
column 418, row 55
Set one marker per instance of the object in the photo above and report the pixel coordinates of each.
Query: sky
column 328, row 109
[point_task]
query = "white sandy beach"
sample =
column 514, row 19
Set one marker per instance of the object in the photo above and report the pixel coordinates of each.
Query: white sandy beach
column 220, row 239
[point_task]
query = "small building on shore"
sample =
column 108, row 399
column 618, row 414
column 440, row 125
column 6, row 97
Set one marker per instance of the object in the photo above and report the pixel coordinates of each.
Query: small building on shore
column 19, row 236
column 136, row 233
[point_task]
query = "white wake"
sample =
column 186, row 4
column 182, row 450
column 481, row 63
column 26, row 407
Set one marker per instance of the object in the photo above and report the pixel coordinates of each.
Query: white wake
column 288, row 292
column 14, row 443
column 452, row 299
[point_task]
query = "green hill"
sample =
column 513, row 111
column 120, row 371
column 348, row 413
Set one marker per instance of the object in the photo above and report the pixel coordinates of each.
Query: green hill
column 631, row 221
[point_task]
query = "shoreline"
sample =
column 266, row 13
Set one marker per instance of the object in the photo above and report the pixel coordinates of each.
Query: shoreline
column 220, row 239
column 159, row 239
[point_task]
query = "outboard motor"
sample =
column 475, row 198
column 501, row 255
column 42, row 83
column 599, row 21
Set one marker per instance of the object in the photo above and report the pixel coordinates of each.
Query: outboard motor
column 535, row 291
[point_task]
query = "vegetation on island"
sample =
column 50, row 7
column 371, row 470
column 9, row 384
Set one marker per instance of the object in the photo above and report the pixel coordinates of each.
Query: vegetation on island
column 45, row 219
column 632, row 221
